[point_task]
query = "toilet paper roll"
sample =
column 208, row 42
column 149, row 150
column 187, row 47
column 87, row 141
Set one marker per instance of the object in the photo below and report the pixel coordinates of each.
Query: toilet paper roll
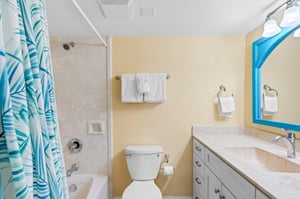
column 168, row 170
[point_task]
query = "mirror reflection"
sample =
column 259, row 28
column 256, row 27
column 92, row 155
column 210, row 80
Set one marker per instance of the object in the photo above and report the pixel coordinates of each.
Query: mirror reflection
column 281, row 73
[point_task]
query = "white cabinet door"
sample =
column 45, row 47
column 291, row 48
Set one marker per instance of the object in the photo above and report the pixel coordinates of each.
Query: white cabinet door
column 234, row 182
column 226, row 194
column 199, row 186
column 213, row 185
column 215, row 189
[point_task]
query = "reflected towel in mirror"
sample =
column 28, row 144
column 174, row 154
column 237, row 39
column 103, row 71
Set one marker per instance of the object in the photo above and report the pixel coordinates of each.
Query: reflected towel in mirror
column 270, row 105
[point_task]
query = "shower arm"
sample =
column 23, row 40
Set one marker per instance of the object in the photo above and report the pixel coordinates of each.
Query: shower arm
column 89, row 22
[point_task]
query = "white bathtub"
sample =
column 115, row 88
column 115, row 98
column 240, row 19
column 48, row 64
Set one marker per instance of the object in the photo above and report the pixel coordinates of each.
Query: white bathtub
column 88, row 187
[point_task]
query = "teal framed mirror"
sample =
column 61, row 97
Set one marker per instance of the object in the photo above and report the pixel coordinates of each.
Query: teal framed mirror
column 261, row 51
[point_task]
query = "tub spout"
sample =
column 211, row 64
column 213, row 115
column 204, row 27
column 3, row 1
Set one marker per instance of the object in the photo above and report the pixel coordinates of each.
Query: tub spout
column 73, row 168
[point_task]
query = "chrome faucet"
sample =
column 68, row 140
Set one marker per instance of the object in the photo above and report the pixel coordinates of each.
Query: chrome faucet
column 73, row 168
column 290, row 143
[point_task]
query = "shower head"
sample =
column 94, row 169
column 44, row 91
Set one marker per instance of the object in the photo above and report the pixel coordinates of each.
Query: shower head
column 69, row 45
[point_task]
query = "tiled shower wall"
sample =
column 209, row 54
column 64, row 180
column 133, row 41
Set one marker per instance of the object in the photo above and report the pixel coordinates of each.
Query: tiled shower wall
column 80, row 78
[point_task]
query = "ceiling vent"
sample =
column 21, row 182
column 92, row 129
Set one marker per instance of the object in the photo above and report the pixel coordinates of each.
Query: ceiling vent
column 117, row 9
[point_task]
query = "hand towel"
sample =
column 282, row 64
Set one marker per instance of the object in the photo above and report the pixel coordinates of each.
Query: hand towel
column 142, row 82
column 129, row 90
column 226, row 106
column 157, row 85
column 270, row 105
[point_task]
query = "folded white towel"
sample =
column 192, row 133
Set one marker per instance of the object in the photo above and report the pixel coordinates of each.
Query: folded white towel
column 157, row 84
column 270, row 105
column 129, row 90
column 226, row 106
column 226, row 115
column 142, row 82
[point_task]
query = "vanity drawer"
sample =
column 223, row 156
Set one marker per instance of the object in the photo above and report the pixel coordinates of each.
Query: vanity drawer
column 237, row 184
column 199, row 149
column 199, row 165
column 199, row 186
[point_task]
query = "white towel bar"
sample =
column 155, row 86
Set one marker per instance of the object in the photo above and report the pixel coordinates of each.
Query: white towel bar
column 118, row 77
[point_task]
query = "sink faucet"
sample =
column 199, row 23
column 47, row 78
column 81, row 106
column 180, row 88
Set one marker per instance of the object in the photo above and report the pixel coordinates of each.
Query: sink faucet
column 73, row 168
column 290, row 142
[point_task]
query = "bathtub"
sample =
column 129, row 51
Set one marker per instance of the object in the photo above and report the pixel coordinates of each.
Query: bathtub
column 88, row 187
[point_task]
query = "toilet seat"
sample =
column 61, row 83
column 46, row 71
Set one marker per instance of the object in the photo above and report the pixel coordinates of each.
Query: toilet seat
column 142, row 189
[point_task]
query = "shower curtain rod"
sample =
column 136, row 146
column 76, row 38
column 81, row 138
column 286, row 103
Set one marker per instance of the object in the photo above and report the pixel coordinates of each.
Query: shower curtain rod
column 89, row 22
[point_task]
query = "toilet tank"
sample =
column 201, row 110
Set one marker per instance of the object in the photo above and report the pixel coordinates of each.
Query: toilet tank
column 143, row 161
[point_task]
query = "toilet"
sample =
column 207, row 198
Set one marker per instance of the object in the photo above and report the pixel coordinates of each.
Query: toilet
column 143, row 162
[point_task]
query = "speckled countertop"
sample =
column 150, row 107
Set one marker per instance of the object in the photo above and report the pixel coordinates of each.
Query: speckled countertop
column 281, row 185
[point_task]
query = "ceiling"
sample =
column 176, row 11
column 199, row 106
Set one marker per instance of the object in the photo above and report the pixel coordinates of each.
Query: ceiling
column 172, row 17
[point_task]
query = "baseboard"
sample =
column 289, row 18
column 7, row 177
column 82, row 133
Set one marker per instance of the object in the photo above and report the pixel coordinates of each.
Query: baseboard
column 167, row 197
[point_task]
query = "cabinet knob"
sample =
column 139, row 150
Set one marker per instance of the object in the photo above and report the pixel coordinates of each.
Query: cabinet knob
column 198, row 148
column 198, row 181
column 221, row 196
column 217, row 191
column 198, row 163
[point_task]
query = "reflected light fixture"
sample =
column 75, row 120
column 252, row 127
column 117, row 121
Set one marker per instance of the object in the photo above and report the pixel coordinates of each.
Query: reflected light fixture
column 291, row 18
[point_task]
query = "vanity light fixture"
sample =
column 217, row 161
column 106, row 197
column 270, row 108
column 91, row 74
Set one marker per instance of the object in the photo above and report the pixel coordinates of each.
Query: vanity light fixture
column 270, row 27
column 291, row 15
column 291, row 18
column 297, row 33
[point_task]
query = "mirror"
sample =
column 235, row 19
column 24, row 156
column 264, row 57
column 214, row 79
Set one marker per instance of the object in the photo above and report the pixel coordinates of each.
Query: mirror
column 281, row 73
column 276, row 63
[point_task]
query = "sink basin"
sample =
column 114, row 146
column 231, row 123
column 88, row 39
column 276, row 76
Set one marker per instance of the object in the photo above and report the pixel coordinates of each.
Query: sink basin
column 265, row 160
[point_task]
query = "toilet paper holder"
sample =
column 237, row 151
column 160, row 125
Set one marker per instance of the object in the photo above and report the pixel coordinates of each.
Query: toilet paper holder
column 165, row 160
column 167, row 170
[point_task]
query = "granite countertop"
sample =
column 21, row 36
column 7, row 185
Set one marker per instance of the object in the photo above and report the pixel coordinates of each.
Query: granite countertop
column 282, row 185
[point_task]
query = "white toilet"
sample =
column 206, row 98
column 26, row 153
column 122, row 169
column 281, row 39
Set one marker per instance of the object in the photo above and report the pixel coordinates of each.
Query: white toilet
column 143, row 162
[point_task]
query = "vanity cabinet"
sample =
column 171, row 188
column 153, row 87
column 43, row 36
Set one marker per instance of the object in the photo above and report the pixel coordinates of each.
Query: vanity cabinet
column 214, row 179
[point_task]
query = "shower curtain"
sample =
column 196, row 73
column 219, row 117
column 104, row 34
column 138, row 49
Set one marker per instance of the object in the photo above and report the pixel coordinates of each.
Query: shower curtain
column 31, row 159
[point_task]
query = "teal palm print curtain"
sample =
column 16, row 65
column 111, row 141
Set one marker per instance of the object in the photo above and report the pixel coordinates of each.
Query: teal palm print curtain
column 31, row 160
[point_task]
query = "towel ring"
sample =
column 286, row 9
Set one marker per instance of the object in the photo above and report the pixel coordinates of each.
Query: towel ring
column 270, row 89
column 221, row 89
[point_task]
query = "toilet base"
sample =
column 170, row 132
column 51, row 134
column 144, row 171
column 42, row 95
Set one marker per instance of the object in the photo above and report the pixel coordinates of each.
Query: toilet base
column 142, row 189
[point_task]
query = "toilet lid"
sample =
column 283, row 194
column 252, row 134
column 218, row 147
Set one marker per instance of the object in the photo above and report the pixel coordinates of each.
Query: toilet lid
column 143, row 149
column 142, row 189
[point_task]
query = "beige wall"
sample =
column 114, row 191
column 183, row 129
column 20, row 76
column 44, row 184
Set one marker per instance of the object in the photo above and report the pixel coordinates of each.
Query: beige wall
column 197, row 66
column 250, row 38
column 81, row 94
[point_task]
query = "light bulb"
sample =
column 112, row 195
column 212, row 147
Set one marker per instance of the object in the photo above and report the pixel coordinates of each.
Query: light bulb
column 297, row 33
column 270, row 28
column 291, row 16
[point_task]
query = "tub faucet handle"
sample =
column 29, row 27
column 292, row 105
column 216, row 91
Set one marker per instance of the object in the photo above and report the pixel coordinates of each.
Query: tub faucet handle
column 75, row 145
